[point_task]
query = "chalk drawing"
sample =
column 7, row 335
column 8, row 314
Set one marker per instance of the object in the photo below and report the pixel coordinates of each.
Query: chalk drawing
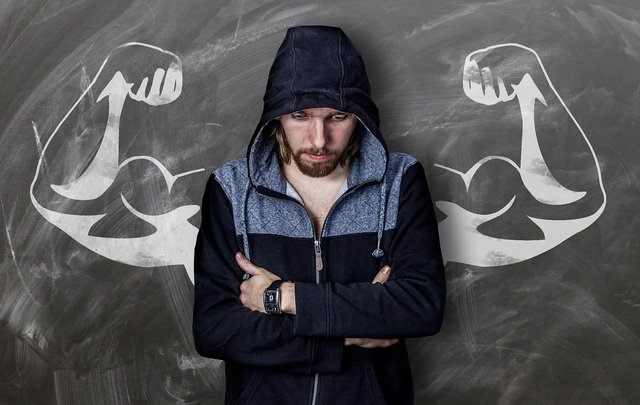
column 174, row 237
column 462, row 242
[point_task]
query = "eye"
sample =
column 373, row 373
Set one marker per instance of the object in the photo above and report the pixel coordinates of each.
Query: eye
column 340, row 116
column 299, row 115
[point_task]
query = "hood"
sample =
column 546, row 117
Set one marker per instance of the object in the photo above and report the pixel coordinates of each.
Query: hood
column 317, row 66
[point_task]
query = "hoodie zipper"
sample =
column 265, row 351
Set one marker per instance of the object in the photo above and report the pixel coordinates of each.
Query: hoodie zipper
column 319, row 265
column 317, row 248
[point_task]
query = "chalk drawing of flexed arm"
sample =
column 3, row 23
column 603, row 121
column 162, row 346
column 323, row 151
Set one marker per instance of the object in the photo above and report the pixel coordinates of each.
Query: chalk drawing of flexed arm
column 488, row 85
column 174, row 237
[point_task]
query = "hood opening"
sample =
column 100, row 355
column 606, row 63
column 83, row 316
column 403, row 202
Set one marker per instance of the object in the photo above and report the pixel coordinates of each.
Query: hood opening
column 317, row 66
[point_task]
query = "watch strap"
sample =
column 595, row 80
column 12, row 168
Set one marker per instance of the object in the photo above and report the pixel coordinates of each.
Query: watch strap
column 275, row 285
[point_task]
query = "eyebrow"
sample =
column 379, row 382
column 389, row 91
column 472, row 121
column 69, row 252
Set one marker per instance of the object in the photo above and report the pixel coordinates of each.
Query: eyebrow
column 334, row 112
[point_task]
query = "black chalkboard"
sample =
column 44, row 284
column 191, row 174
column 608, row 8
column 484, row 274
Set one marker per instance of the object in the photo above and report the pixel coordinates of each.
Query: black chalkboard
column 524, row 115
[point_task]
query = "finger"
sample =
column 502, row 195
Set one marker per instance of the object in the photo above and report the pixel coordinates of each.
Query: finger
column 246, row 265
column 172, row 82
column 140, row 94
column 383, row 342
column 155, row 84
column 375, row 343
column 383, row 275
column 469, row 73
column 473, row 73
column 487, row 78
column 472, row 81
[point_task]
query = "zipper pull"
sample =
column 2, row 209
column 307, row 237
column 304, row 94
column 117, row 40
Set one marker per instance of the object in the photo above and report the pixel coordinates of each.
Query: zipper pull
column 316, row 244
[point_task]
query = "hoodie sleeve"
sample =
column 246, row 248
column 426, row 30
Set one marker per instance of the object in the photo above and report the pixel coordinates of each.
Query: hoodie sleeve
column 222, row 327
column 409, row 304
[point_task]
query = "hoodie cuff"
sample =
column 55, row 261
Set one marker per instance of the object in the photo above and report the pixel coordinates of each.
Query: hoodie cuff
column 312, row 313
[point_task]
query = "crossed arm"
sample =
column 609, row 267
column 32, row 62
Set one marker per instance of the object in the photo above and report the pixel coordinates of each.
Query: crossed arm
column 328, row 315
column 251, row 295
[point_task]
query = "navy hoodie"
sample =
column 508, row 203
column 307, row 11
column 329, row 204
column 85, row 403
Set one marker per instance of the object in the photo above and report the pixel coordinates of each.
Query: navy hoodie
column 385, row 216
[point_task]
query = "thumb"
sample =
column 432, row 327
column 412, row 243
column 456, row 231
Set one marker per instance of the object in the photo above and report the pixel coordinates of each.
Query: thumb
column 246, row 265
column 383, row 275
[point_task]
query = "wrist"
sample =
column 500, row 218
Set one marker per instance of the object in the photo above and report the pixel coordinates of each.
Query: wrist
column 288, row 298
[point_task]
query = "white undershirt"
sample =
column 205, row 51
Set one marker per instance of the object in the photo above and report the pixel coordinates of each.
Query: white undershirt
column 291, row 192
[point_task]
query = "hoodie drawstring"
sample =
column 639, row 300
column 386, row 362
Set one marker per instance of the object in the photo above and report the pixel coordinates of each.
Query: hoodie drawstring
column 245, row 239
column 378, row 252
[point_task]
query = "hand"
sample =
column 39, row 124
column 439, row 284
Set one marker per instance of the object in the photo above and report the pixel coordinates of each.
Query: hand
column 510, row 68
column 369, row 343
column 130, row 68
column 171, row 81
column 478, row 84
column 252, row 290
column 383, row 275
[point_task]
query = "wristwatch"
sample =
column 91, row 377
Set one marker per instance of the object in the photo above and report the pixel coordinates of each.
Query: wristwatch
column 272, row 297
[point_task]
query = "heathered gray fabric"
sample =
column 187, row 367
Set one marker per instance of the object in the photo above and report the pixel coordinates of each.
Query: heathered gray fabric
column 264, row 215
column 371, row 162
column 356, row 212
column 264, row 167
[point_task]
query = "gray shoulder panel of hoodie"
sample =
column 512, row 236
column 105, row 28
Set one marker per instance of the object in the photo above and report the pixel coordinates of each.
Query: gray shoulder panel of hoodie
column 364, row 210
column 357, row 212
column 254, row 213
column 234, row 180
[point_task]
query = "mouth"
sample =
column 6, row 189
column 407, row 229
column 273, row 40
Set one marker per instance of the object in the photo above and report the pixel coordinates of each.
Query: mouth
column 317, row 156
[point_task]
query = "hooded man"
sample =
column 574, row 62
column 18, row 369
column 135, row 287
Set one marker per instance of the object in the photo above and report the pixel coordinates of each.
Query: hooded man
column 293, row 235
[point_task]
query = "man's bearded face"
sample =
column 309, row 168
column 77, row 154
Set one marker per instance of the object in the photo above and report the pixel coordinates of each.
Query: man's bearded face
column 317, row 139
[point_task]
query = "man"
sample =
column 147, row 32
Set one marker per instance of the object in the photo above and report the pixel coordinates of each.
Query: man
column 293, row 236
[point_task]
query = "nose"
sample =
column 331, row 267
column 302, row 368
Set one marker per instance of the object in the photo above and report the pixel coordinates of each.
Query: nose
column 318, row 134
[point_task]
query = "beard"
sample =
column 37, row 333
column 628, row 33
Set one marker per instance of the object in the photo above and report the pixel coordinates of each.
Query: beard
column 314, row 169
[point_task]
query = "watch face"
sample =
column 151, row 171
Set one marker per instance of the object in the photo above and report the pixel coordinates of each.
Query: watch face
column 271, row 304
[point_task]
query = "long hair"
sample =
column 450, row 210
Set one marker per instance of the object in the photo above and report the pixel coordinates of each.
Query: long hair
column 284, row 153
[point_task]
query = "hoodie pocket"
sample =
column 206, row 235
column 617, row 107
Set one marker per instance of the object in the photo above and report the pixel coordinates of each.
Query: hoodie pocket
column 250, row 389
column 374, row 386
column 357, row 384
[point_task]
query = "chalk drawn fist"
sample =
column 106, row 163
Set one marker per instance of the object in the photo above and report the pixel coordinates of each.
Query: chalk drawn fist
column 166, row 86
column 144, row 73
column 495, row 74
